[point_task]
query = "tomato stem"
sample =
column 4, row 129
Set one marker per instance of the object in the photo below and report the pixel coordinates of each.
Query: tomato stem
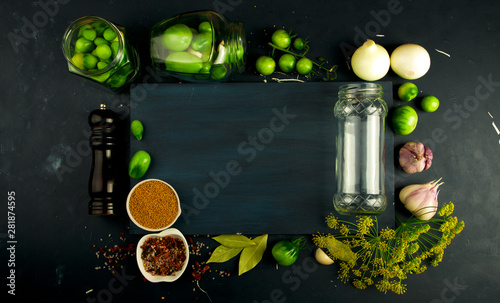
column 333, row 69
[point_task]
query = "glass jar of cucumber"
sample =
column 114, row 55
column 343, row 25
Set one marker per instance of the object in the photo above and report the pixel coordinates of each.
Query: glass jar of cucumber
column 198, row 47
column 98, row 50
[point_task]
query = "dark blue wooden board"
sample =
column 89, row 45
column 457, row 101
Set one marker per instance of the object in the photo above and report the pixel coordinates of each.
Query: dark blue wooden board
column 248, row 158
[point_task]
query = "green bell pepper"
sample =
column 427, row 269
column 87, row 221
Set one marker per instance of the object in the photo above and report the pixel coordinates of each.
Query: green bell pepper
column 139, row 164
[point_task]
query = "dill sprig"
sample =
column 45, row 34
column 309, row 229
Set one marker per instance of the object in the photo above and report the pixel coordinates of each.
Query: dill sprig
column 385, row 257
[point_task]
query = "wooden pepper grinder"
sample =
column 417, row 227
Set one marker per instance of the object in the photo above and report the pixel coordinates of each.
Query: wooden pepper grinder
column 106, row 181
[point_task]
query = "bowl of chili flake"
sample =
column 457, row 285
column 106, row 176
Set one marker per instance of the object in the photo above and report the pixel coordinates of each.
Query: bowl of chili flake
column 164, row 256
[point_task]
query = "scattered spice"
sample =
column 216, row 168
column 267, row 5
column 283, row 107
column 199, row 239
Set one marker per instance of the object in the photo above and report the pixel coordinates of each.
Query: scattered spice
column 114, row 255
column 154, row 204
column 163, row 256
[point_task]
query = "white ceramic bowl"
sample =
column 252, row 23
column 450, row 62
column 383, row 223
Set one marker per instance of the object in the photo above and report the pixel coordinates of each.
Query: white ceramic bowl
column 152, row 229
column 168, row 232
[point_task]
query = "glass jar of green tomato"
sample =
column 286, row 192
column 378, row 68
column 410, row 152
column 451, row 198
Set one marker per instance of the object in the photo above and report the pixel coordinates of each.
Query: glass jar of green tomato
column 98, row 49
column 198, row 47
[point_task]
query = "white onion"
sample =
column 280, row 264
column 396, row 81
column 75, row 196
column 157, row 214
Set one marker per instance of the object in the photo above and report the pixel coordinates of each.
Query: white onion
column 410, row 61
column 370, row 61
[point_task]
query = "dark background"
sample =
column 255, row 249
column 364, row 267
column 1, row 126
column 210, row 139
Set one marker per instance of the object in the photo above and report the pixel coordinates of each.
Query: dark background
column 44, row 127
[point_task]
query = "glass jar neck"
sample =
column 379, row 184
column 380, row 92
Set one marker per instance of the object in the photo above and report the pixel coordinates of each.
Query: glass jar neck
column 361, row 91
column 236, row 46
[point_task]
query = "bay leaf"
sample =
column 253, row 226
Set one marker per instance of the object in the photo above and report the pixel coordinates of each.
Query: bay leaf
column 252, row 255
column 234, row 241
column 339, row 250
column 223, row 253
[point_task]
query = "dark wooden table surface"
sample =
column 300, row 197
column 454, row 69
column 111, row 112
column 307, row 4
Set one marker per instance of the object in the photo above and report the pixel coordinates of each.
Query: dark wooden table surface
column 45, row 160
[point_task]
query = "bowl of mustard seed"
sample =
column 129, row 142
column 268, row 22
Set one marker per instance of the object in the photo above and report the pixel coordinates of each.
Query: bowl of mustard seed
column 153, row 205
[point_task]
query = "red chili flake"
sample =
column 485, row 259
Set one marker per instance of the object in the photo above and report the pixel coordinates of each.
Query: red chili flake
column 205, row 269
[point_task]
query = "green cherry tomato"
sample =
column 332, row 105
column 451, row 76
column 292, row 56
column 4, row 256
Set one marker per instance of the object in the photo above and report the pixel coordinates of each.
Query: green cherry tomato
column 205, row 27
column 78, row 60
column 287, row 63
column 286, row 252
column 137, row 129
column 114, row 47
column 281, row 38
column 202, row 41
column 265, row 65
column 101, row 65
column 89, row 34
column 99, row 27
column 103, row 51
column 218, row 72
column 404, row 120
column 430, row 104
column 304, row 66
column 177, row 37
column 139, row 164
column 100, row 40
column 183, row 62
column 109, row 34
column 89, row 61
column 83, row 45
column 298, row 44
column 82, row 29
column 407, row 91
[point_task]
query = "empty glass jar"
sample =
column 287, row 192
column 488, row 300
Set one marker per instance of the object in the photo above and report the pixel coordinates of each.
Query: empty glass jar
column 360, row 171
column 198, row 47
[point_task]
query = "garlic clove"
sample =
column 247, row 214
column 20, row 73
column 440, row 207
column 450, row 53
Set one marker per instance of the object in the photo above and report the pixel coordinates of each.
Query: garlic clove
column 414, row 157
column 421, row 199
column 322, row 257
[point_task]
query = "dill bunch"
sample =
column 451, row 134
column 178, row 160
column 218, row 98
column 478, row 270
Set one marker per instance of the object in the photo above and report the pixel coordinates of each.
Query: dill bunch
column 385, row 257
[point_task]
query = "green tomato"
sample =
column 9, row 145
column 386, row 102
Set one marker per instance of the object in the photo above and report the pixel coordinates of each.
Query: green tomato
column 430, row 104
column 78, row 60
column 205, row 27
column 218, row 72
column 109, row 34
column 100, row 40
column 99, row 27
column 89, row 61
column 287, row 63
column 299, row 44
column 139, row 164
column 103, row 51
column 265, row 65
column 137, row 129
column 101, row 65
column 202, row 41
column 404, row 120
column 285, row 253
column 82, row 29
column 89, row 34
column 407, row 91
column 304, row 66
column 114, row 48
column 183, row 62
column 83, row 45
column 281, row 38
column 177, row 37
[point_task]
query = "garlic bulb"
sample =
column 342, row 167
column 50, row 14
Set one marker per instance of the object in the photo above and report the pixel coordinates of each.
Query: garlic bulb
column 414, row 157
column 370, row 61
column 421, row 199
